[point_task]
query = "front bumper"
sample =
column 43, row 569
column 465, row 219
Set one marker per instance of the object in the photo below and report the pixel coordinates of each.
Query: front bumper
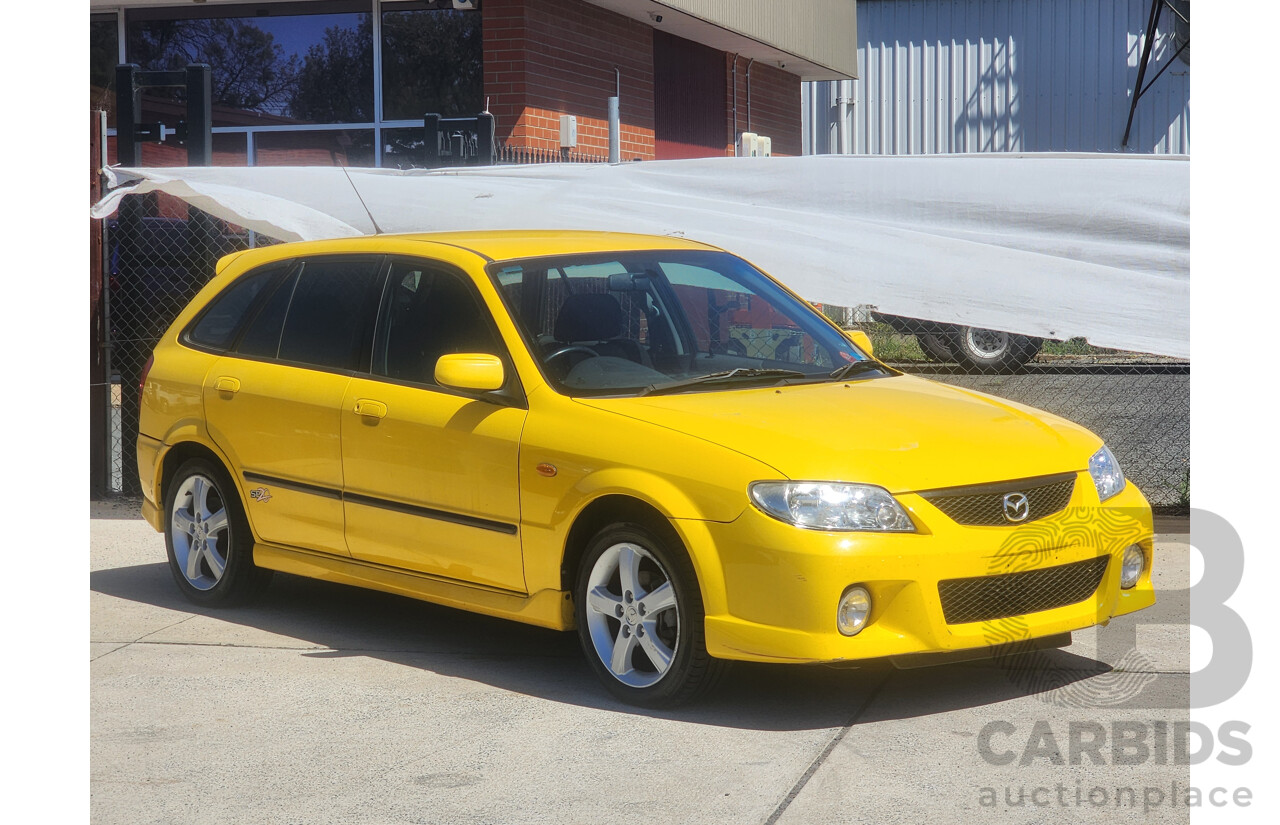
column 781, row 584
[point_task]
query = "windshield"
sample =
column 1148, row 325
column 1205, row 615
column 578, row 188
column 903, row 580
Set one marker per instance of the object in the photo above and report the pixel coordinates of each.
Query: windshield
column 634, row 323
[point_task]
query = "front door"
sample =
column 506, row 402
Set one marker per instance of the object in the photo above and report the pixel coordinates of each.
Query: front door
column 430, row 473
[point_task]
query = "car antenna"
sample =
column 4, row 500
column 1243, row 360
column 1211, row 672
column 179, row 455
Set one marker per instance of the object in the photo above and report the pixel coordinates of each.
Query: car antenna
column 377, row 230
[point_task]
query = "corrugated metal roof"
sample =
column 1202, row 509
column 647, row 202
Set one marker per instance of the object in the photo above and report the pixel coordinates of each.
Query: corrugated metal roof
column 1006, row 76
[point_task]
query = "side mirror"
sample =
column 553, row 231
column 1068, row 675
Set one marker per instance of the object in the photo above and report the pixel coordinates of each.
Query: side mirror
column 861, row 340
column 471, row 371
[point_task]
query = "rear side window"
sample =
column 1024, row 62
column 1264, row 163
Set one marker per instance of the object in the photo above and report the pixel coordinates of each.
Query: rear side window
column 331, row 313
column 261, row 336
column 216, row 328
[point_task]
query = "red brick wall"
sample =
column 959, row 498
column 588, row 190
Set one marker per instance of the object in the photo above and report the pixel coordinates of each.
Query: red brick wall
column 552, row 57
column 775, row 105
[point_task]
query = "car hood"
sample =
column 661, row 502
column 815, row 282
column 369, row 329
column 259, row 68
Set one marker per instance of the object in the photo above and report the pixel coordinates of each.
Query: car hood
column 902, row 433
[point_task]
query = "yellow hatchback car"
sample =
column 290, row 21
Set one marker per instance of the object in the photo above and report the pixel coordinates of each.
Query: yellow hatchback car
column 645, row 438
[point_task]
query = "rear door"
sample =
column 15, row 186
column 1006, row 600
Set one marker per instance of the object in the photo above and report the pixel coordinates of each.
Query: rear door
column 273, row 404
column 431, row 479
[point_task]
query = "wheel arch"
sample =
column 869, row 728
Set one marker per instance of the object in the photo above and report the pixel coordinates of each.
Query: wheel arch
column 689, row 536
column 601, row 512
column 175, row 456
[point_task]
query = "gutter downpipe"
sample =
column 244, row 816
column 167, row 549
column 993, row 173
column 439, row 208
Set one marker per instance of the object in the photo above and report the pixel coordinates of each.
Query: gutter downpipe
column 615, row 119
column 749, row 62
column 733, row 137
column 842, row 117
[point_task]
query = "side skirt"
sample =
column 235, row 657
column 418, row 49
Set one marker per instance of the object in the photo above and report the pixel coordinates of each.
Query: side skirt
column 546, row 608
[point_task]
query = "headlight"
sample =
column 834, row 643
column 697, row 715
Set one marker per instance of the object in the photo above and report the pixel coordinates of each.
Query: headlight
column 817, row 505
column 1106, row 472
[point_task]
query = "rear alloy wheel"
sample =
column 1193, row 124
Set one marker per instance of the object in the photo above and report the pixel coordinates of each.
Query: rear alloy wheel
column 208, row 538
column 992, row 351
column 640, row 618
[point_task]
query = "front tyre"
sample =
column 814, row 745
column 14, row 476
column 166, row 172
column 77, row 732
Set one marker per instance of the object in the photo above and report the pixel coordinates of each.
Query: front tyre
column 208, row 538
column 640, row 618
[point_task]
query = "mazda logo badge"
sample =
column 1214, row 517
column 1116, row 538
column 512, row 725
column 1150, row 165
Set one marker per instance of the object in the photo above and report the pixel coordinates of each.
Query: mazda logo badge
column 1016, row 507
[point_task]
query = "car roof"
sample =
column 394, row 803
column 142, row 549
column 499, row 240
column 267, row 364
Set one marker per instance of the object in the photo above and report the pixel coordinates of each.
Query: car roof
column 496, row 245
column 510, row 244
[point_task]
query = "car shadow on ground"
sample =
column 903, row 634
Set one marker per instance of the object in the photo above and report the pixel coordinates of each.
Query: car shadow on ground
column 342, row 621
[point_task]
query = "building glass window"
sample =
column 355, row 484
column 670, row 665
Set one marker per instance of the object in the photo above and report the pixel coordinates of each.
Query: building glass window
column 280, row 70
column 432, row 60
column 404, row 148
column 272, row 64
column 339, row 147
column 104, row 54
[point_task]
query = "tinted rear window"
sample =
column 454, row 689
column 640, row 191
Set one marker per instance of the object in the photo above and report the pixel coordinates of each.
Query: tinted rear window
column 262, row 335
column 217, row 325
column 330, row 314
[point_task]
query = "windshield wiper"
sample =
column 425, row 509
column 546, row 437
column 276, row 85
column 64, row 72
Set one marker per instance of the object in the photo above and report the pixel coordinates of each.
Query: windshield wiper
column 740, row 375
column 854, row 368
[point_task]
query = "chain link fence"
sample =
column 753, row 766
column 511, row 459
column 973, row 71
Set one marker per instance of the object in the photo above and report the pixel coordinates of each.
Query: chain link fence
column 1139, row 404
column 160, row 252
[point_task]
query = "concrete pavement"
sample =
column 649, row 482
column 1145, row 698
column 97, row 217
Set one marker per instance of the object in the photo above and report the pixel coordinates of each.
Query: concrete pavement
column 327, row 704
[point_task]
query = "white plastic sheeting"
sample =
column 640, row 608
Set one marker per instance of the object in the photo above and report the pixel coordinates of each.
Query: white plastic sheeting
column 1051, row 245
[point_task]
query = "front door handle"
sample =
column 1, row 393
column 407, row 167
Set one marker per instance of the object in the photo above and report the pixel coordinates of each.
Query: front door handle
column 227, row 384
column 370, row 408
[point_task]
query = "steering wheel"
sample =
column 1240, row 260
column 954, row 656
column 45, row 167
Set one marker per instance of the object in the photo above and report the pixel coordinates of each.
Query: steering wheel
column 566, row 350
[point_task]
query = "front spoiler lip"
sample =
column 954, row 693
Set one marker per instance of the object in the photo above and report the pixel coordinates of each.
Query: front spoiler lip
column 937, row 658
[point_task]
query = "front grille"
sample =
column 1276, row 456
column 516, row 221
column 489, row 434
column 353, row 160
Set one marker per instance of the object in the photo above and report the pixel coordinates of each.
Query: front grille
column 984, row 598
column 983, row 505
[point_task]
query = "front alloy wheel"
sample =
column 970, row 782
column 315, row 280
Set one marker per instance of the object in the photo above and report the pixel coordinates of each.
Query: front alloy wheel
column 640, row 618
column 632, row 615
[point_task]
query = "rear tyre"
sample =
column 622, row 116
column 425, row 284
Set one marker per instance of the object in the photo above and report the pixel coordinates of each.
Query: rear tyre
column 935, row 347
column 992, row 351
column 640, row 618
column 208, row 538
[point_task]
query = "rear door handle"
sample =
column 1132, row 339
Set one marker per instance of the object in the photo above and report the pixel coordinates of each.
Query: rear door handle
column 227, row 384
column 369, row 407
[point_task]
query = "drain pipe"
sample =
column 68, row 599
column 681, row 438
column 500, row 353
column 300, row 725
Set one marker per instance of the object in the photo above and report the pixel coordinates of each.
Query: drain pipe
column 615, row 119
column 749, row 62
column 842, row 118
column 733, row 135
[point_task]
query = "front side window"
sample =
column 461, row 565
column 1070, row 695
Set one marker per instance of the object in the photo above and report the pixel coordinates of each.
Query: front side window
column 330, row 315
column 427, row 313
column 669, row 321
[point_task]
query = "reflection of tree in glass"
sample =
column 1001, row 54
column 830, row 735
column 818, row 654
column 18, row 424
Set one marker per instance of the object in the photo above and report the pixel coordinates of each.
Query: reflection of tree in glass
column 335, row 84
column 431, row 62
column 102, row 57
column 250, row 70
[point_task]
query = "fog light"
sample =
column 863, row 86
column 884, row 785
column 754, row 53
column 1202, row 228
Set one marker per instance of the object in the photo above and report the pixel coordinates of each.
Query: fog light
column 1131, row 568
column 854, row 609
